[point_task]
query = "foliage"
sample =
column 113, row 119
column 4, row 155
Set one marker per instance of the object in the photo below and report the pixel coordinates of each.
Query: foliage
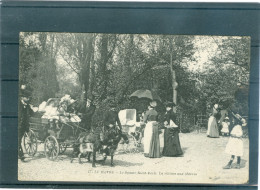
column 230, row 66
column 37, row 65
column 115, row 65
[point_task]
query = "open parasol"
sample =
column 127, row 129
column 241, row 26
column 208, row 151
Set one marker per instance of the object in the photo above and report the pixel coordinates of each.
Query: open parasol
column 150, row 94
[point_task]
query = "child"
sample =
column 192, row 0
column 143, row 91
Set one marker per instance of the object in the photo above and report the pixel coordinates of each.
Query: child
column 225, row 127
column 235, row 143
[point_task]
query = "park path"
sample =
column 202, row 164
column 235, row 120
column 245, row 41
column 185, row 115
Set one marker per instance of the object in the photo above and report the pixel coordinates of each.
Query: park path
column 202, row 162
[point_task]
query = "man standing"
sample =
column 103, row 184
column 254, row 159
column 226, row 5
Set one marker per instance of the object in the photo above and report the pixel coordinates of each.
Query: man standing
column 24, row 112
column 86, row 111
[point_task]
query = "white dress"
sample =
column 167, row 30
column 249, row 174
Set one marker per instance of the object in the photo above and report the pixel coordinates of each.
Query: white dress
column 235, row 144
column 225, row 127
column 51, row 112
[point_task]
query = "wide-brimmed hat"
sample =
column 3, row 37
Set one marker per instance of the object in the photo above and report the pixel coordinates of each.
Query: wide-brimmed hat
column 226, row 118
column 153, row 104
column 237, row 117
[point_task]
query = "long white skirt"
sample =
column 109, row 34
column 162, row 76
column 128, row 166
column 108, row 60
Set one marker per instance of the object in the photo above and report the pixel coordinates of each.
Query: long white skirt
column 148, row 133
column 212, row 127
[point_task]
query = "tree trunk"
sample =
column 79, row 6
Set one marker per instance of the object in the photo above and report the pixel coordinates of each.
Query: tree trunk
column 129, row 54
column 174, row 83
column 103, row 65
column 92, row 75
column 87, row 58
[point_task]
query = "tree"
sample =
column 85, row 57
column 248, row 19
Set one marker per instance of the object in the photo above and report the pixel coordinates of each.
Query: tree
column 77, row 50
column 173, row 52
column 233, row 51
column 38, row 70
column 88, row 56
column 227, row 67
column 29, row 53
column 115, row 65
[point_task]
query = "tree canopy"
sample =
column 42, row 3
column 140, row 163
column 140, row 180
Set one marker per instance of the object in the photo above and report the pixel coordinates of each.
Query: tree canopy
column 204, row 70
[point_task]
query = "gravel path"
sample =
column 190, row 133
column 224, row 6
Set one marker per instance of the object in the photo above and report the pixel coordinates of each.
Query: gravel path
column 202, row 163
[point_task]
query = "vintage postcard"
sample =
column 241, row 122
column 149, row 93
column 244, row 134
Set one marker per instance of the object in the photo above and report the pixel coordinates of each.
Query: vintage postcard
column 133, row 108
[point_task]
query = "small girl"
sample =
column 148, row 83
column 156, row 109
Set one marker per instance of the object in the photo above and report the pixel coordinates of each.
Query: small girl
column 235, row 143
column 225, row 127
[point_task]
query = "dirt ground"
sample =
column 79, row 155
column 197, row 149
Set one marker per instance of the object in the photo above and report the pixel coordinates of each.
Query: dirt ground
column 202, row 162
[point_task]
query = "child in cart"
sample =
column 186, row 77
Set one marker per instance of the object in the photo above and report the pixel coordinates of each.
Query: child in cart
column 235, row 143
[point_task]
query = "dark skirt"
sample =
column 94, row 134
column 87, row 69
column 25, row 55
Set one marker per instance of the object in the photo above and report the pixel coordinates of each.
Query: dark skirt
column 172, row 146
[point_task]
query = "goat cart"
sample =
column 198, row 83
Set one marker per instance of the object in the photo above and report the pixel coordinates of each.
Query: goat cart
column 56, row 135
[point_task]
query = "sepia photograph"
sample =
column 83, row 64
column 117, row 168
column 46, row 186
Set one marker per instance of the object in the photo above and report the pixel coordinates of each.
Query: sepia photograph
column 133, row 108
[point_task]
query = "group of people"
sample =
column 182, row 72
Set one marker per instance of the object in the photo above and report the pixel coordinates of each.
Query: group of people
column 219, row 120
column 151, row 139
column 86, row 109
column 151, row 133
column 53, row 110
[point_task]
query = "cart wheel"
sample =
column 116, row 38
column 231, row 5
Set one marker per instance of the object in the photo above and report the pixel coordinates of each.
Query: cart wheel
column 30, row 143
column 51, row 148
column 63, row 148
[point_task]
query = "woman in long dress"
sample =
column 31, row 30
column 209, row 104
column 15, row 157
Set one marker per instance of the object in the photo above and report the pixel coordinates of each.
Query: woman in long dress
column 172, row 146
column 212, row 123
column 151, row 133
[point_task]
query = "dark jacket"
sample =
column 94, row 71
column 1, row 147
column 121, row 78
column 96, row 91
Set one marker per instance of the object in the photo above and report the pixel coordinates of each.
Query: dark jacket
column 150, row 115
column 111, row 117
column 170, row 115
column 24, row 111
column 86, row 114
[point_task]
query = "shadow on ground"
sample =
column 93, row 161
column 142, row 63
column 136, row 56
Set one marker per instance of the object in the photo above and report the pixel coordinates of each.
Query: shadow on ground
column 242, row 163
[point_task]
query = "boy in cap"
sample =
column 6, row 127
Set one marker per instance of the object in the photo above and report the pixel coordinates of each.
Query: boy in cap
column 111, row 119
